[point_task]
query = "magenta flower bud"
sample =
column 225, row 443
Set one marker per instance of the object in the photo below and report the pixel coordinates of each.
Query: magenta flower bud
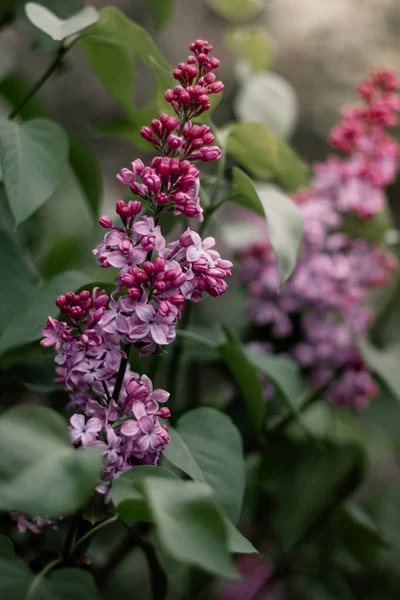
column 120, row 209
column 70, row 297
column 148, row 267
column 84, row 295
column 171, row 124
column 216, row 87
column 184, row 97
column 76, row 312
column 164, row 308
column 125, row 246
column 177, row 299
column 160, row 286
column 127, row 280
column 170, row 95
column 211, row 153
column 141, row 276
column 177, row 74
column 191, row 60
column 134, row 293
column 134, row 207
column 61, row 302
column 208, row 138
column 190, row 211
column 197, row 144
column 164, row 412
column 174, row 142
column 105, row 221
column 159, row 264
column 214, row 63
column 209, row 78
column 146, row 133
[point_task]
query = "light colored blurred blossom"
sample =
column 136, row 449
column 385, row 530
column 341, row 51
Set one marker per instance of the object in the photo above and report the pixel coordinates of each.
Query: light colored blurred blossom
column 33, row 524
column 322, row 310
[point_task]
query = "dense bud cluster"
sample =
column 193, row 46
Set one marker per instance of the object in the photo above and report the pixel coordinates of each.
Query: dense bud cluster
column 323, row 309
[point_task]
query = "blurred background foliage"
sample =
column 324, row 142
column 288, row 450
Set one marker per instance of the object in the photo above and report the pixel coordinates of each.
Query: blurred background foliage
column 291, row 66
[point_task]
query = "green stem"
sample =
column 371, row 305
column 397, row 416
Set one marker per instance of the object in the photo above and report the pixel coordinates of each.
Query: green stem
column 46, row 75
column 95, row 529
column 69, row 540
column 40, row 576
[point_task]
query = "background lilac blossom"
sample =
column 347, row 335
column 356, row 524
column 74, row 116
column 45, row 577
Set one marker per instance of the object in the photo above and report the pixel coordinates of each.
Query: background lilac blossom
column 323, row 309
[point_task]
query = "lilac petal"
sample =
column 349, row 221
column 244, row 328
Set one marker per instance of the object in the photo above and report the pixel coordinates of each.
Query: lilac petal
column 142, row 443
column 130, row 428
column 144, row 226
column 147, row 382
column 160, row 395
column 138, row 409
column 118, row 260
column 94, row 425
column 158, row 334
column 77, row 421
column 144, row 312
column 151, row 407
column 101, row 445
column 137, row 256
column 146, row 424
column 192, row 254
column 87, row 438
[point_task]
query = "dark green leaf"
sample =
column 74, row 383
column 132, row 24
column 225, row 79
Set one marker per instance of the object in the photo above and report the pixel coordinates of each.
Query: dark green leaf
column 237, row 543
column 86, row 168
column 129, row 126
column 360, row 535
column 284, row 219
column 129, row 41
column 13, row 88
column 373, row 229
column 17, row 582
column 127, row 495
column 40, row 472
column 236, row 10
column 27, row 324
column 318, row 479
column 64, row 252
column 385, row 363
column 207, row 446
column 59, row 29
column 247, row 380
column 283, row 373
column 17, row 279
column 161, row 11
column 6, row 546
column 189, row 525
column 33, row 158
column 265, row 156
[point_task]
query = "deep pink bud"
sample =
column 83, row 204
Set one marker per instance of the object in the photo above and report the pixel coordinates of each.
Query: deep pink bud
column 164, row 412
column 61, row 301
column 134, row 207
column 125, row 246
column 146, row 133
column 84, row 295
column 105, row 221
column 134, row 293
column 159, row 264
column 170, row 95
column 148, row 267
column 160, row 286
column 128, row 280
column 211, row 153
column 177, row 299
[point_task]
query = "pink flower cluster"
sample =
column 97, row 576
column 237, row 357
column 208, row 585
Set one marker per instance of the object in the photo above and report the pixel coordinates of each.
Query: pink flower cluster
column 323, row 310
column 117, row 410
column 172, row 179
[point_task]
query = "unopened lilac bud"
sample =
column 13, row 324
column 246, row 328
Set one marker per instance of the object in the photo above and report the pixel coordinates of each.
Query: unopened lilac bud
column 146, row 133
column 164, row 412
column 211, row 153
column 159, row 264
column 134, row 207
column 162, row 198
column 134, row 293
column 148, row 267
column 170, row 95
column 105, row 221
column 125, row 246
column 61, row 301
column 216, row 87
column 128, row 280
column 160, row 286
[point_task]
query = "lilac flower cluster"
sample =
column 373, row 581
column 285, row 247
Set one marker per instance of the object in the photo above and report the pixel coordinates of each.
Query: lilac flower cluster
column 323, row 310
column 117, row 410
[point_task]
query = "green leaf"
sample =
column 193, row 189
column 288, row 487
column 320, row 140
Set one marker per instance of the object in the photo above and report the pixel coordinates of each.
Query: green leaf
column 284, row 219
column 17, row 279
column 373, row 230
column 161, row 11
column 252, row 45
column 207, row 446
column 247, row 380
column 28, row 322
column 189, row 525
column 6, row 546
column 17, row 582
column 40, row 472
column 236, row 10
column 237, row 543
column 63, row 253
column 129, row 126
column 103, row 55
column 283, row 373
column 14, row 87
column 265, row 156
column 127, row 494
column 115, row 39
column 33, row 157
column 385, row 363
column 86, row 168
column 360, row 534
column 58, row 29
column 318, row 479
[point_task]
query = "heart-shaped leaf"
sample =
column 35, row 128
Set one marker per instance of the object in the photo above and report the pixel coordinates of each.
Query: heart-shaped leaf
column 33, row 157
column 40, row 472
column 57, row 28
column 266, row 156
column 236, row 11
column 284, row 219
column 189, row 524
column 18, row 582
column 207, row 446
